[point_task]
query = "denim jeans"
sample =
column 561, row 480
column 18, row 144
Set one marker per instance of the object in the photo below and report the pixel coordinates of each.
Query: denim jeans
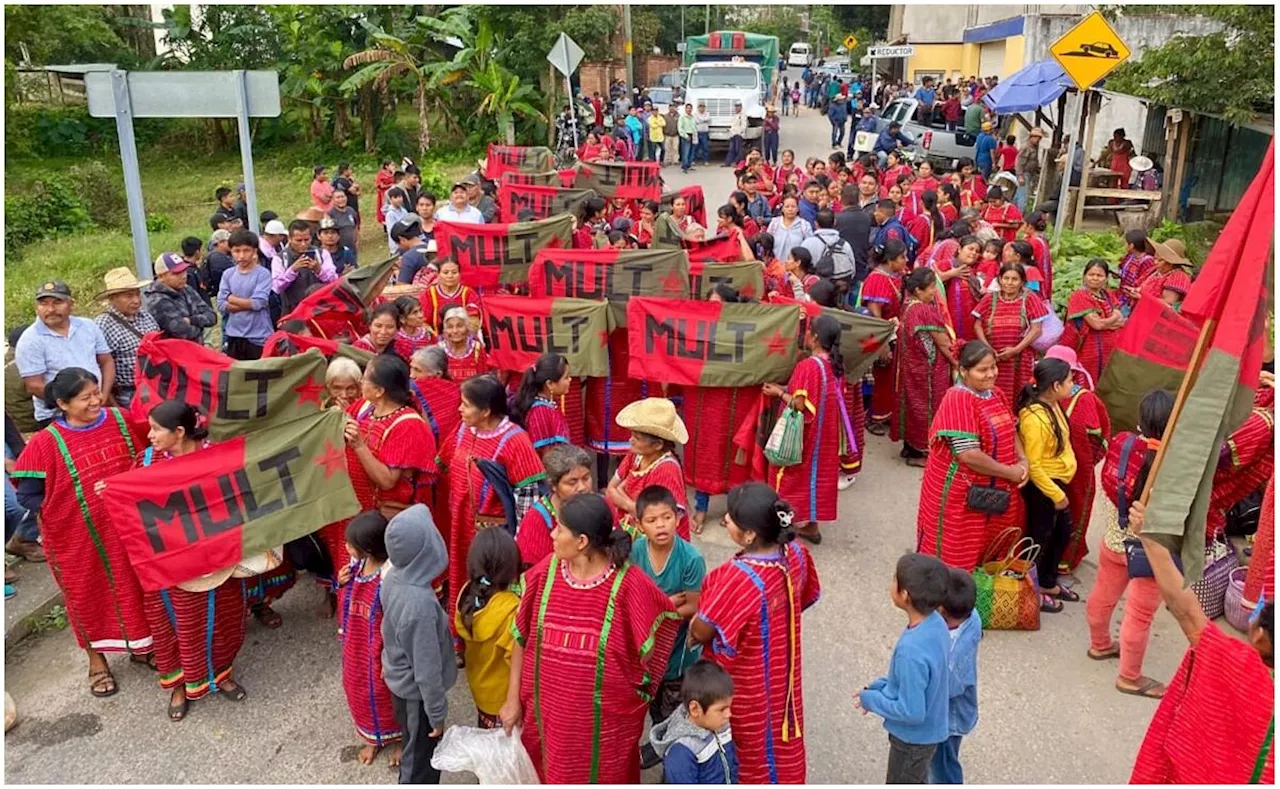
column 16, row 518
column 686, row 153
column 701, row 500
column 735, row 150
column 704, row 147
column 837, row 133
column 655, row 152
column 1020, row 199
column 771, row 147
column 945, row 767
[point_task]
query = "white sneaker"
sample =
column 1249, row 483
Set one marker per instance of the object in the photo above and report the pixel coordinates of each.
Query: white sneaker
column 846, row 481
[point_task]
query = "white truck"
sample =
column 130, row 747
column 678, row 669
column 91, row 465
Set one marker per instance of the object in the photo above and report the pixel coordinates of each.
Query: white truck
column 932, row 140
column 721, row 84
column 798, row 55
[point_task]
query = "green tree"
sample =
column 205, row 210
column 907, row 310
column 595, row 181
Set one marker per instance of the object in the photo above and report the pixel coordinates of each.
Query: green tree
column 1230, row 72
column 58, row 34
column 503, row 97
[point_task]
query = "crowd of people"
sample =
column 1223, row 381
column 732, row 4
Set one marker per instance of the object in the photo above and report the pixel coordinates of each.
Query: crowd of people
column 575, row 602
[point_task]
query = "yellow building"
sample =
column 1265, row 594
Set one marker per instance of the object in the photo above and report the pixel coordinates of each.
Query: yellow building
column 959, row 41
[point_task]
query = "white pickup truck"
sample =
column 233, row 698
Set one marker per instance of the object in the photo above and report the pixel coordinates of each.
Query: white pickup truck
column 943, row 148
column 719, row 85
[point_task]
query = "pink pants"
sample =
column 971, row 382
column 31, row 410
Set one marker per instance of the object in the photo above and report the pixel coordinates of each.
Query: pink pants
column 1139, row 609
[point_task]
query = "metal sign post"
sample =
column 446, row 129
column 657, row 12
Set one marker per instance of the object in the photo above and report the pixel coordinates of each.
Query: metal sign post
column 132, row 178
column 565, row 55
column 246, row 148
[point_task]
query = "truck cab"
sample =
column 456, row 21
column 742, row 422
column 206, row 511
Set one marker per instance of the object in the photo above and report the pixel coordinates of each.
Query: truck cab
column 719, row 84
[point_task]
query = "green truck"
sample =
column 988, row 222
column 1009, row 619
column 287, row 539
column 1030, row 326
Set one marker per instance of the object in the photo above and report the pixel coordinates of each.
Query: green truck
column 725, row 68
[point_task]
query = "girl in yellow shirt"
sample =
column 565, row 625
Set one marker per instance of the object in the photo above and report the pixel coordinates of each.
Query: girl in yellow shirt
column 1046, row 438
column 486, row 608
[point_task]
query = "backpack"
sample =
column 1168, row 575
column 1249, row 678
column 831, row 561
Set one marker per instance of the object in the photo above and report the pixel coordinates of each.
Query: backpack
column 833, row 263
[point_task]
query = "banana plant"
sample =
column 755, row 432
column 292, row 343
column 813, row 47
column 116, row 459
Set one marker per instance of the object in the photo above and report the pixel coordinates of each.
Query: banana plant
column 503, row 97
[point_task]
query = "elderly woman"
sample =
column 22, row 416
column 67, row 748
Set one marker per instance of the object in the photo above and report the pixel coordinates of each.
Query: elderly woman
column 568, row 474
column 656, row 430
column 467, row 357
column 342, row 382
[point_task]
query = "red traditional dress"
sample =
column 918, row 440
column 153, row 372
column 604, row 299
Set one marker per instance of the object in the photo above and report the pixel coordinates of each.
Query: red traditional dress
column 1006, row 322
column 595, row 652
column 438, row 399
column 546, row 424
column 1134, row 269
column 368, row 697
column 381, row 183
column 922, row 185
column 366, row 344
column 472, row 502
column 1040, row 254
column 976, row 186
column 1156, row 283
column 664, row 471
column 713, row 460
column 810, row 486
column 958, row 294
column 885, row 289
column 1006, row 213
column 890, row 177
column 1090, row 427
column 1247, row 460
column 945, row 525
column 435, row 302
column 1216, row 721
column 570, row 404
column 406, row 344
column 853, row 447
column 949, row 214
column 923, row 374
column 533, row 537
column 754, row 603
column 197, row 635
column 89, row 563
column 1260, row 580
column 1093, row 348
column 605, row 397
column 472, row 361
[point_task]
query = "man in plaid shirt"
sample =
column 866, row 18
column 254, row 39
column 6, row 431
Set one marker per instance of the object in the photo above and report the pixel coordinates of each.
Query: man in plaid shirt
column 123, row 324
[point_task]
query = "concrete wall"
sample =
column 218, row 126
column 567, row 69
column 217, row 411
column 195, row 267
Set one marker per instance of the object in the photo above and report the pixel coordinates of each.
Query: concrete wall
column 934, row 24
column 934, row 60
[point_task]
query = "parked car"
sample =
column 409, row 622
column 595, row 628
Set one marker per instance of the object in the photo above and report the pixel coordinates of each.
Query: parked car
column 932, row 140
column 661, row 97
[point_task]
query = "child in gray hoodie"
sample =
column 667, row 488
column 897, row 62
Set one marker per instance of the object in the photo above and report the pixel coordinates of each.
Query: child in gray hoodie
column 417, row 653
column 695, row 743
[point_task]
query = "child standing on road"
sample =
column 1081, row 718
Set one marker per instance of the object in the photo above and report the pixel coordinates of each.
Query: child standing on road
column 678, row 569
column 360, row 629
column 695, row 741
column 966, row 633
column 486, row 608
column 913, row 698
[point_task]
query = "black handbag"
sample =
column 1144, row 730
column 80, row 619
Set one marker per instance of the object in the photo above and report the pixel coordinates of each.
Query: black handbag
column 1135, row 555
column 988, row 500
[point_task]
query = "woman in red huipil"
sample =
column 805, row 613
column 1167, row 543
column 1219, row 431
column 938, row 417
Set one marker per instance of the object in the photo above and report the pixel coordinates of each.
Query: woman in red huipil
column 198, row 625
column 893, row 168
column 881, row 294
column 593, row 635
column 1259, row 581
column 786, row 169
column 924, row 364
column 960, row 287
column 749, row 617
column 414, row 332
column 467, row 357
column 949, row 204
column 1093, row 320
column 656, row 431
column 59, row 476
column 1246, row 459
column 973, row 441
column 384, row 324
column 1169, row 279
column 446, row 292
column 925, row 180
column 1009, row 321
column 1033, row 228
column 1090, row 429
column 485, row 433
column 360, row 630
column 592, row 150
column 568, row 474
column 536, row 406
column 971, row 180
column 1001, row 214
column 384, row 180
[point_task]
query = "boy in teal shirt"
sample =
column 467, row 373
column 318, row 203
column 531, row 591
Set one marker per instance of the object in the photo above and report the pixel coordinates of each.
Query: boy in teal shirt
column 678, row 569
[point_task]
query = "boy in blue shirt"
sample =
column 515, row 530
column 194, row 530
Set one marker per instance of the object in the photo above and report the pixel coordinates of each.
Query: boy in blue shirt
column 966, row 632
column 913, row 698
column 696, row 743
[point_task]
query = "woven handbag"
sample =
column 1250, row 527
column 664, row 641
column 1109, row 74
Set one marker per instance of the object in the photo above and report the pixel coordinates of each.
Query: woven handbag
column 1211, row 590
column 1008, row 592
column 1234, row 605
column 785, row 446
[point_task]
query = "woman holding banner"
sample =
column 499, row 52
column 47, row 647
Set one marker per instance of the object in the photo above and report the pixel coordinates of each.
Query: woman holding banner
column 467, row 357
column 198, row 625
column 58, row 476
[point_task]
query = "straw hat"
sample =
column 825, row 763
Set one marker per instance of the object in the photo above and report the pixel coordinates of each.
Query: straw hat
column 655, row 416
column 310, row 214
column 1140, row 164
column 1036, row 131
column 204, row 583
column 1172, row 251
column 259, row 563
column 121, row 280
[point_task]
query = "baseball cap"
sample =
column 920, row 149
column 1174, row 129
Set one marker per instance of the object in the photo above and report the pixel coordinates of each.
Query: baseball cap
column 275, row 228
column 170, row 263
column 328, row 224
column 472, row 180
column 403, row 229
column 221, row 235
column 458, row 185
column 54, row 289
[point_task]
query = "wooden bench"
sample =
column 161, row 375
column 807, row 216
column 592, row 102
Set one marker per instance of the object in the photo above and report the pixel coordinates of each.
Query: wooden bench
column 1141, row 217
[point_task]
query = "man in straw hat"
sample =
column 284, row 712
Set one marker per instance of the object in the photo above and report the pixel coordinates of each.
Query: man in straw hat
column 1027, row 167
column 178, row 308
column 1171, row 278
column 656, row 429
column 123, row 323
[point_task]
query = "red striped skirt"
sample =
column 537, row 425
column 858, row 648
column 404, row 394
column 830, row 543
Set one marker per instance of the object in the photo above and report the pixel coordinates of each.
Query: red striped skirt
column 196, row 634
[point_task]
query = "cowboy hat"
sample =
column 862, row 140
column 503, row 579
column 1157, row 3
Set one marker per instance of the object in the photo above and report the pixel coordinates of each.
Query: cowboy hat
column 1172, row 251
column 259, row 563
column 120, row 280
column 310, row 214
column 655, row 416
column 1140, row 164
column 205, row 583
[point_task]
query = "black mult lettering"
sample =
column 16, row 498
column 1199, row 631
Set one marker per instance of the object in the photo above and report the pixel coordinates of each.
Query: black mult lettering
column 175, row 508
column 208, row 524
column 263, row 378
column 654, row 332
column 637, row 271
column 224, row 393
column 692, row 344
column 740, row 332
column 574, row 324
column 499, row 327
column 530, row 333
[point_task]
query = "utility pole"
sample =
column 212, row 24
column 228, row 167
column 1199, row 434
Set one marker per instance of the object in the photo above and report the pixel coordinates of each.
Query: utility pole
column 707, row 18
column 626, row 46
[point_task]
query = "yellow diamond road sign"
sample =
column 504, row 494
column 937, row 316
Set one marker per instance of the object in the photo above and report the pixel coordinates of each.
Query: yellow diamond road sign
column 1090, row 51
column 850, row 42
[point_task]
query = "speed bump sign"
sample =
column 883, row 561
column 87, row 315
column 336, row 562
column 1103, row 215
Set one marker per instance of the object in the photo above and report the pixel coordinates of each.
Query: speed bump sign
column 1090, row 51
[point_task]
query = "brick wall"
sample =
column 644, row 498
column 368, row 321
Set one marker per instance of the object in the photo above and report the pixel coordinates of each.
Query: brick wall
column 596, row 75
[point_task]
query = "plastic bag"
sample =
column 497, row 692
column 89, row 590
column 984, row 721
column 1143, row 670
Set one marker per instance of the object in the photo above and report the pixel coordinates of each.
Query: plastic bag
column 1051, row 329
column 785, row 446
column 489, row 754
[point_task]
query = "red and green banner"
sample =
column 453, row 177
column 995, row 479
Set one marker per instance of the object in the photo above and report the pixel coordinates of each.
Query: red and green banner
column 518, row 158
column 693, row 196
column 519, row 329
column 861, row 337
column 717, row 250
column 563, row 178
column 283, row 343
column 666, row 234
column 710, row 343
column 337, row 310
column 206, row 511
column 237, row 396
column 1229, row 301
column 746, row 277
column 629, row 180
column 493, row 255
column 544, row 201
column 1152, row 351
column 611, row 274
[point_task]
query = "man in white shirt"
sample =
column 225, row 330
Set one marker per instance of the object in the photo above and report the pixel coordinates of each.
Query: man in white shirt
column 459, row 208
column 737, row 128
column 702, row 124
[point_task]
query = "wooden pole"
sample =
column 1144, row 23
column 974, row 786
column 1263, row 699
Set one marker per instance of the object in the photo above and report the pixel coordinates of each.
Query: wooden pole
column 1184, row 142
column 1170, row 142
column 1184, row 389
column 1085, row 140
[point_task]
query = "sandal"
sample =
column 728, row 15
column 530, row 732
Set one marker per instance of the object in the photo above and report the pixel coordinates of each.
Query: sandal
column 1147, row 688
column 1049, row 604
column 148, row 660
column 102, row 684
column 230, row 691
column 1107, row 654
column 1064, row 594
column 699, row 520
column 810, row 535
column 878, row 428
column 178, row 710
column 267, row 617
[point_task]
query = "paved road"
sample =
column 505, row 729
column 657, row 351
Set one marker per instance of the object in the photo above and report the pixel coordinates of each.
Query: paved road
column 1048, row 714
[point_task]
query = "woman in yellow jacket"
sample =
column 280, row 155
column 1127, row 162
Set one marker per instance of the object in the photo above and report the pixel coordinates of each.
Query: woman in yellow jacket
column 1047, row 441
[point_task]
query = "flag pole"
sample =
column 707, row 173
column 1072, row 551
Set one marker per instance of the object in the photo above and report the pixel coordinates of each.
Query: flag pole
column 1184, row 389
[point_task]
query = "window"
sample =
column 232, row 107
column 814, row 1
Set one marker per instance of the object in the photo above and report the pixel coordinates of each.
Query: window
column 724, row 77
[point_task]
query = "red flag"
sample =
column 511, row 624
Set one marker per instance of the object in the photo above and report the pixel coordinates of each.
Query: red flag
column 338, row 308
column 719, row 250
column 497, row 254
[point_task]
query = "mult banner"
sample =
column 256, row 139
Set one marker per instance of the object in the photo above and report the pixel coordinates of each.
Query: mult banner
column 518, row 158
column 746, row 277
column 519, row 329
column 710, row 343
column 693, row 197
column 1152, row 351
column 564, row 178
column 628, row 180
column 338, row 308
column 861, row 337
column 237, row 396
column 208, row 510
column 493, row 255
column 283, row 343
column 611, row 274
column 544, row 201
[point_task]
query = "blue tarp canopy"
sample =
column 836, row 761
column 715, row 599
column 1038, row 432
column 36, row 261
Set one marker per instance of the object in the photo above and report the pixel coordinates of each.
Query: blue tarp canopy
column 1033, row 87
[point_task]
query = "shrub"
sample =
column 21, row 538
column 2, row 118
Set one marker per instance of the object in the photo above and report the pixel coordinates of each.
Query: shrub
column 158, row 223
column 44, row 208
column 102, row 193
